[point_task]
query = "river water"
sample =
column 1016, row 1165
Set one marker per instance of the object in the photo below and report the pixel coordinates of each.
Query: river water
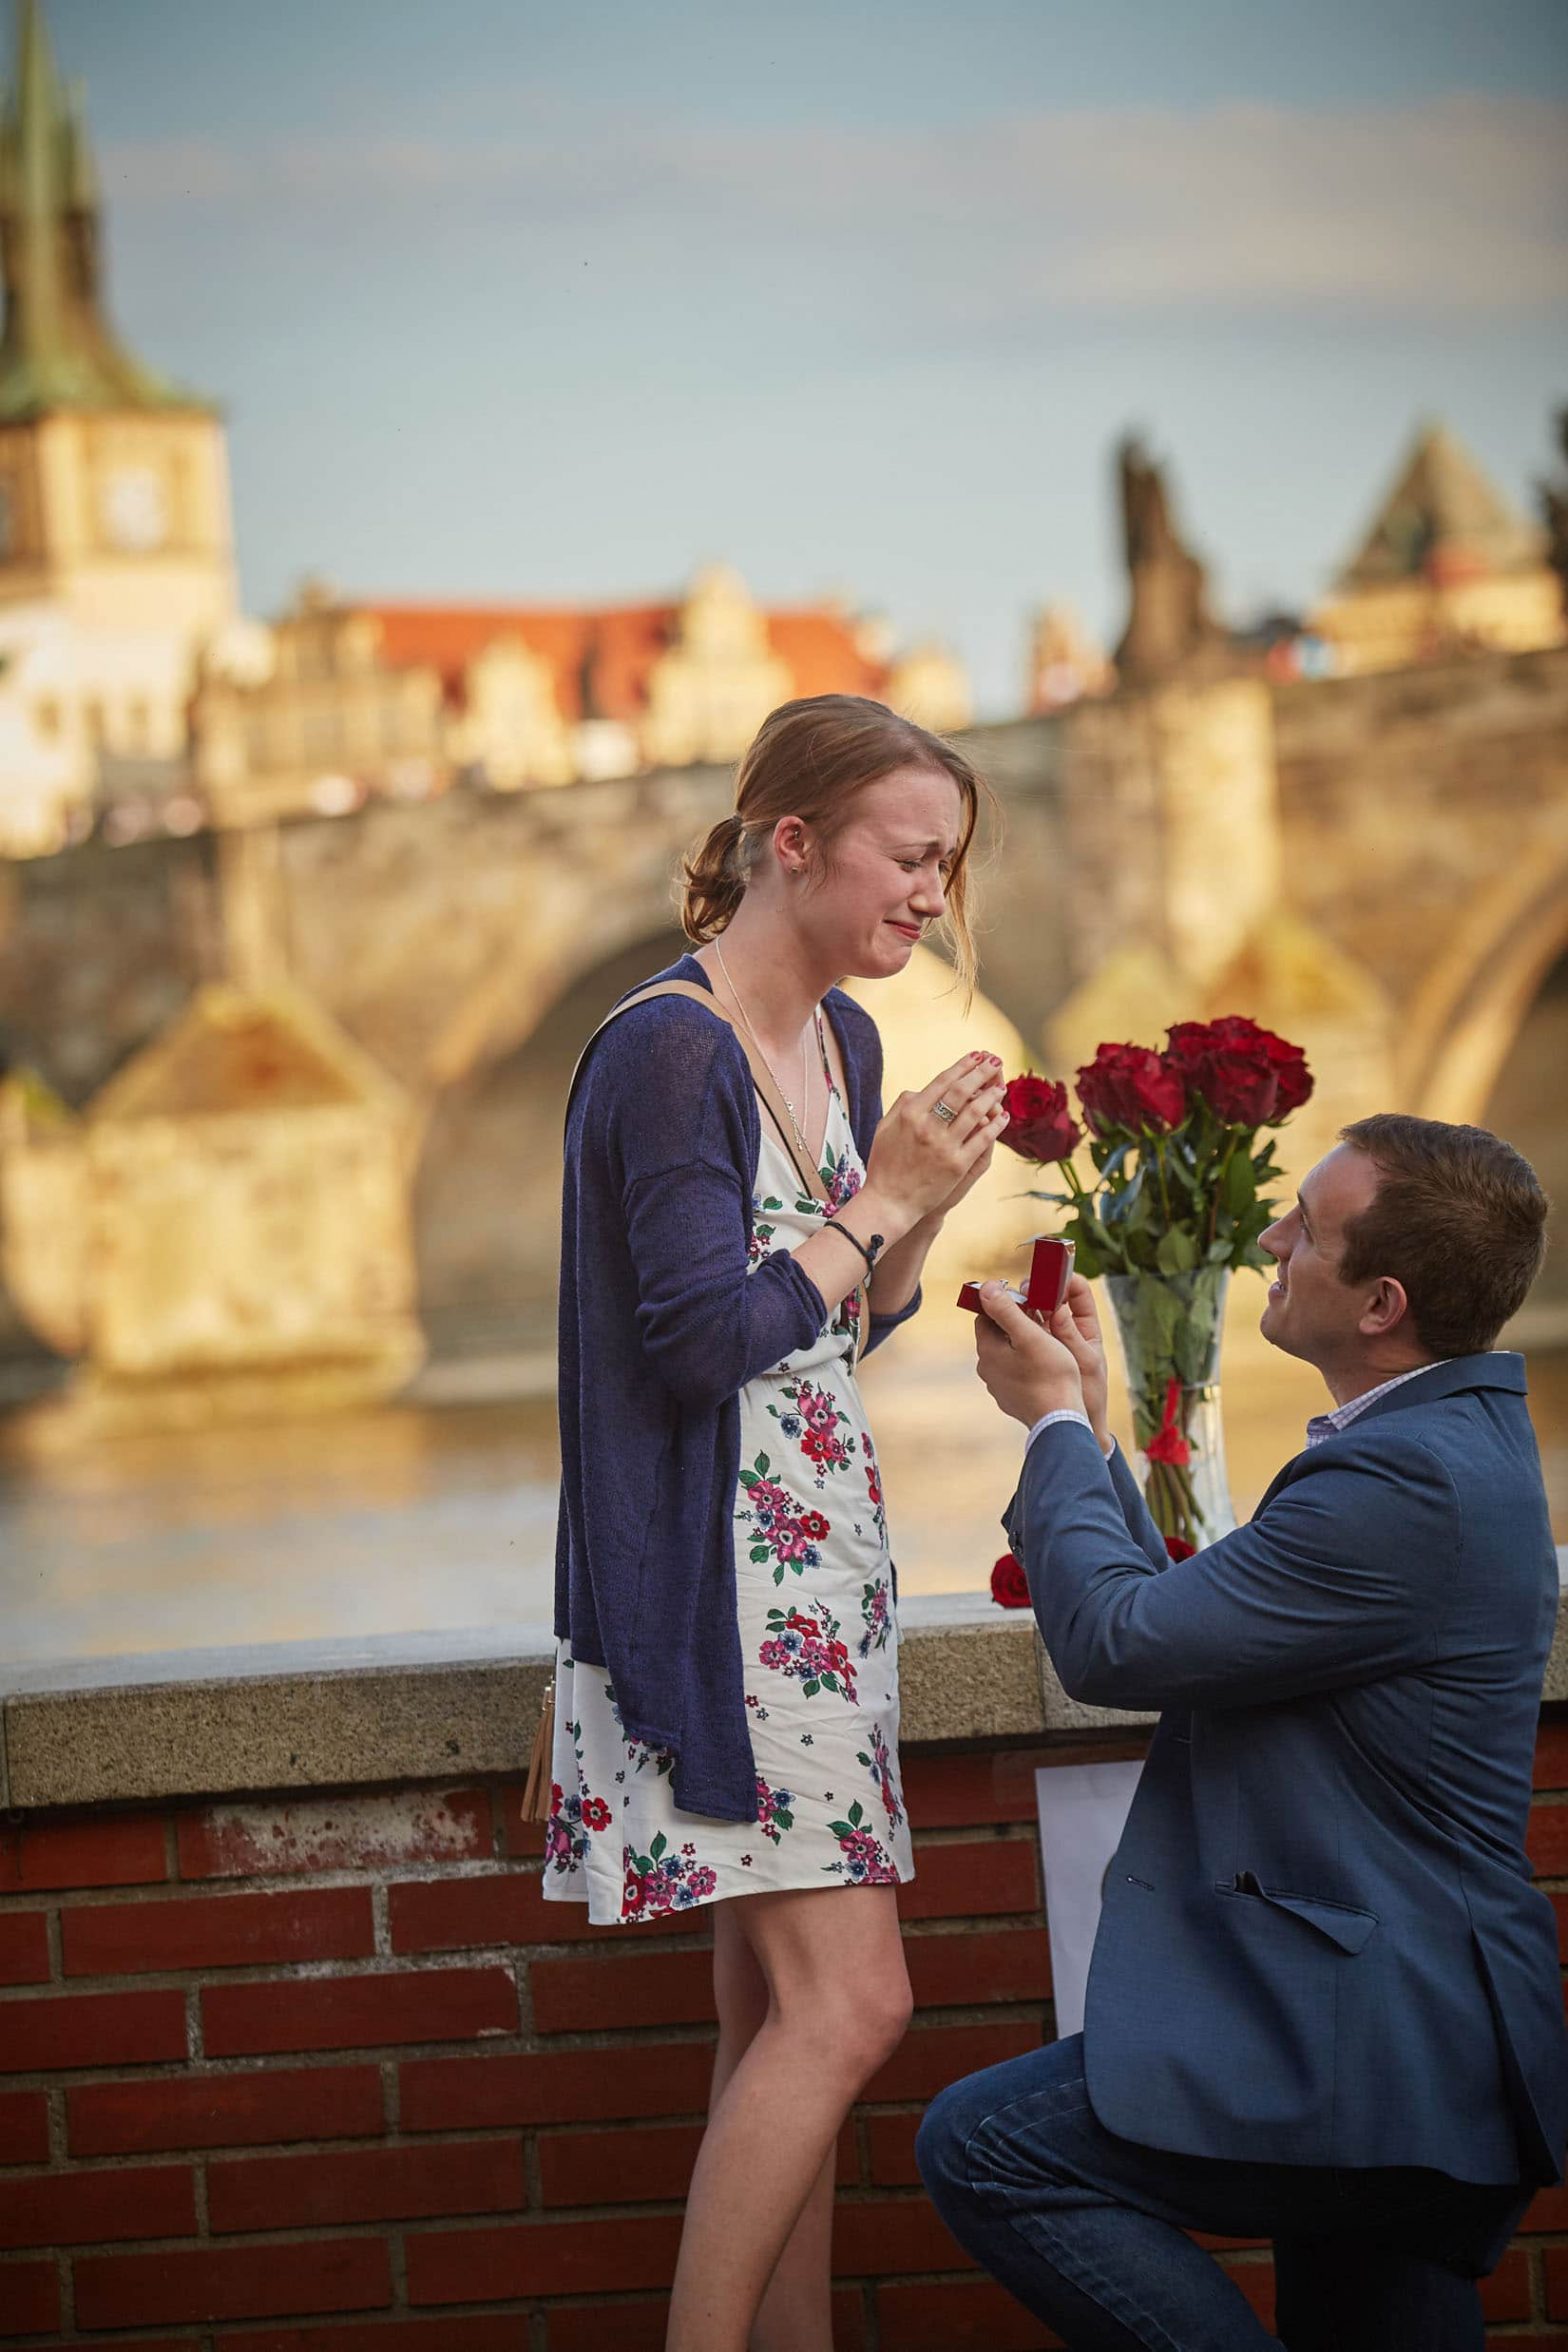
column 424, row 1516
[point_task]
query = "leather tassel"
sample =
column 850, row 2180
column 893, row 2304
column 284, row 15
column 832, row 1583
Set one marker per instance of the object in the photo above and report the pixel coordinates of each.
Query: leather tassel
column 536, row 1793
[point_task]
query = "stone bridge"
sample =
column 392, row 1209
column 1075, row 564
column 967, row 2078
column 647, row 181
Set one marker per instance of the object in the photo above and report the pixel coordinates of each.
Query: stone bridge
column 1379, row 864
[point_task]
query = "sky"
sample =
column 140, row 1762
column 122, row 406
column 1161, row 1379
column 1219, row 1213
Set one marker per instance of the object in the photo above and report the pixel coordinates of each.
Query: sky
column 511, row 300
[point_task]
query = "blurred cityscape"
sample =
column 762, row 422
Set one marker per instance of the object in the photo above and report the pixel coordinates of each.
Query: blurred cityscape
column 302, row 920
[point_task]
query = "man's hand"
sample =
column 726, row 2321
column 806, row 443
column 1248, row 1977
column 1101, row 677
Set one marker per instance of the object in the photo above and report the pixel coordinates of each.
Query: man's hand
column 1027, row 1370
column 1077, row 1326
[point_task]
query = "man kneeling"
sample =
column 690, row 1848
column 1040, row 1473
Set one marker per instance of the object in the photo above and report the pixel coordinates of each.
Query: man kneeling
column 1324, row 2006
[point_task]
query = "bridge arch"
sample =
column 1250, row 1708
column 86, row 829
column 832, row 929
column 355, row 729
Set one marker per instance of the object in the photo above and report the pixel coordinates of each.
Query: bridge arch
column 1465, row 1018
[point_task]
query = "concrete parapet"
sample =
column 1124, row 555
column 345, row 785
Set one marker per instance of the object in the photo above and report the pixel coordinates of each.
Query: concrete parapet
column 421, row 1707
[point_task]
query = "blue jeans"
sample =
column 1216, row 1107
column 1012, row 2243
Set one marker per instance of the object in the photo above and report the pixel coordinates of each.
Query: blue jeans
column 1088, row 2230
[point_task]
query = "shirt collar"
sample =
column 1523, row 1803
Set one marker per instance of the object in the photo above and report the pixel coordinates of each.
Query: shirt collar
column 1324, row 1425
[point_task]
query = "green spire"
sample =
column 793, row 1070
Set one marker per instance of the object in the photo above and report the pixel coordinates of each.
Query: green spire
column 58, row 349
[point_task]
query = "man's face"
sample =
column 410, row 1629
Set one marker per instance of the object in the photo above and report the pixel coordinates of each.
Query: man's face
column 1309, row 1312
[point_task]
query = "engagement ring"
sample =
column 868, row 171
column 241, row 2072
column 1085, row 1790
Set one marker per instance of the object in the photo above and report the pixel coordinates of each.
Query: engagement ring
column 944, row 1110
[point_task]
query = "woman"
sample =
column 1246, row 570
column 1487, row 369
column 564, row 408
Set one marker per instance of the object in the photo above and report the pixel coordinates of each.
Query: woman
column 727, row 1693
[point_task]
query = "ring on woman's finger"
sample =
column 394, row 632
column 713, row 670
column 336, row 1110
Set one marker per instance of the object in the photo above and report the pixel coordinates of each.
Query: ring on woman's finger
column 943, row 1111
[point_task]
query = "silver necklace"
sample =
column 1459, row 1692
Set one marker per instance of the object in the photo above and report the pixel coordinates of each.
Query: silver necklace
column 805, row 1060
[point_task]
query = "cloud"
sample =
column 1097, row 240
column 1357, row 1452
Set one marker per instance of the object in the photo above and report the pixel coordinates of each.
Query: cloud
column 1451, row 206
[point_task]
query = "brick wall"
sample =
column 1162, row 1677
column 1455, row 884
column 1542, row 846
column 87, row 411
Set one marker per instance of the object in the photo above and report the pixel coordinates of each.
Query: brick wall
column 324, row 2074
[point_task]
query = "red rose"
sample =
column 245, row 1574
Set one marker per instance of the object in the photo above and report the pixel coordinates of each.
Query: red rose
column 1179, row 1548
column 1130, row 1086
column 1039, row 1124
column 1295, row 1079
column 1248, row 1076
column 1009, row 1585
column 1239, row 1087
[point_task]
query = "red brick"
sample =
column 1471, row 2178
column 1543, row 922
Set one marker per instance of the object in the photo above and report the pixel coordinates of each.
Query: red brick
column 1546, row 1839
column 1551, row 1754
column 555, row 2086
column 366, row 2184
column 892, row 2234
column 374, row 1832
column 24, row 1947
column 29, row 2298
column 225, row 2110
column 91, row 2029
column 1506, row 2294
column 358, row 2012
column 538, row 2258
column 618, row 2167
column 892, row 2145
column 932, row 2056
column 640, row 2326
column 982, row 1877
column 218, row 1931
column 1559, row 1905
column 1548, row 2210
column 996, row 1964
column 24, row 2127
column 232, row 2282
column 594, row 2327
column 962, row 1792
column 88, row 2208
column 517, row 1835
column 454, row 1914
column 1256, row 2281
column 641, row 1988
column 472, row 2333
column 957, row 2315
column 101, row 1849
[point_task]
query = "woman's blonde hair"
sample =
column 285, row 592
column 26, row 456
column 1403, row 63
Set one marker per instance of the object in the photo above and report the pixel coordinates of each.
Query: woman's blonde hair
column 810, row 759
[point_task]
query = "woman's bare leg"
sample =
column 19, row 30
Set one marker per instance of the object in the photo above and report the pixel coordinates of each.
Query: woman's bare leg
column 796, row 2313
column 837, row 2005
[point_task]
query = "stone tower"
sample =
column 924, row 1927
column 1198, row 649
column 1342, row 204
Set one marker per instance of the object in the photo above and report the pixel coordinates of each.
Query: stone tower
column 114, row 499
column 1447, row 568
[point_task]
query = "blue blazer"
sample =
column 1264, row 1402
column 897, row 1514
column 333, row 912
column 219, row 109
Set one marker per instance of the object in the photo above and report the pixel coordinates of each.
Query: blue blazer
column 1320, row 1943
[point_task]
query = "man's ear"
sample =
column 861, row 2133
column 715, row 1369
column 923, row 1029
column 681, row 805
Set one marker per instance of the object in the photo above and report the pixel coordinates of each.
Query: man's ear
column 1385, row 1311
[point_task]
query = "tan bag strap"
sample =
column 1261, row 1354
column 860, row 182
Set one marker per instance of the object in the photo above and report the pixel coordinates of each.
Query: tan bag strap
column 768, row 1090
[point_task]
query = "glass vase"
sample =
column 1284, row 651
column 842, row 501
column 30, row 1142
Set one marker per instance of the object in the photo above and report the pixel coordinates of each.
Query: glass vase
column 1171, row 1327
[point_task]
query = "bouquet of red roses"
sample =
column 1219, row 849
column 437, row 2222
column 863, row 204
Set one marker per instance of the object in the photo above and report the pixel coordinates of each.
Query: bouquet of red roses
column 1181, row 1165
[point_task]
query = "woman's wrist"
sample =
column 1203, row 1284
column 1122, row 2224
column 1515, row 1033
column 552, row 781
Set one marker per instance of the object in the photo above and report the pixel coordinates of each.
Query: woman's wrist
column 870, row 1211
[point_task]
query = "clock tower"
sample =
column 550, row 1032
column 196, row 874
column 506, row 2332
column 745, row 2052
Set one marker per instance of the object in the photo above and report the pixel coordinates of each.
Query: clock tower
column 114, row 499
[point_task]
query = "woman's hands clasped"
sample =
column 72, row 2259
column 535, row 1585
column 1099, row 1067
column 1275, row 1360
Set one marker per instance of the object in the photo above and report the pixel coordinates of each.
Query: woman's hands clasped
column 922, row 1163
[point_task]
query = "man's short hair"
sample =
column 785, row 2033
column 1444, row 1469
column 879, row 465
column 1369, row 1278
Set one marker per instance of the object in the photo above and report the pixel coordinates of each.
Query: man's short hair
column 1458, row 1218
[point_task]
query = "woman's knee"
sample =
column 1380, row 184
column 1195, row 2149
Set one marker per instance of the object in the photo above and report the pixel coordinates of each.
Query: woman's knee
column 855, row 2029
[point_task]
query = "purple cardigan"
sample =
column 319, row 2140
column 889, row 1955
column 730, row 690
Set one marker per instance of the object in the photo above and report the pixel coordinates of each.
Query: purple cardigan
column 661, row 1326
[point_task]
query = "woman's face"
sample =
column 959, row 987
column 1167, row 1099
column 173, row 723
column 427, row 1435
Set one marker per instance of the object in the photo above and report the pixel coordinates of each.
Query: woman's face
column 887, row 882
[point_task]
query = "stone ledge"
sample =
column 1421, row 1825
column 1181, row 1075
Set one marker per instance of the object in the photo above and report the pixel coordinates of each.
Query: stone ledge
column 433, row 1706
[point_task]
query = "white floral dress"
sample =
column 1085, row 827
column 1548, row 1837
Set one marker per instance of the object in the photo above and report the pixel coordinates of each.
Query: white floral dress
column 819, row 1641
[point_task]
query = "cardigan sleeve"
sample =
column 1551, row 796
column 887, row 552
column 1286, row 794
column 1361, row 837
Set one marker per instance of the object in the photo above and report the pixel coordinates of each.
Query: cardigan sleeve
column 682, row 1151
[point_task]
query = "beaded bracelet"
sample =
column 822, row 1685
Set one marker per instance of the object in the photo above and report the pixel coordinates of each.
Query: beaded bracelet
column 869, row 1254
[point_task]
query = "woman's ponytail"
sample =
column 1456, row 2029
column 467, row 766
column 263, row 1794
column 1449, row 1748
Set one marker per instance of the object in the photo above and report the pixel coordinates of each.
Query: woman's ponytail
column 713, row 878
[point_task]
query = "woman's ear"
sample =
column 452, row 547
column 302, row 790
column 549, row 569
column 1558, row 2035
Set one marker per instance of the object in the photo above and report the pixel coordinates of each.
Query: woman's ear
column 792, row 845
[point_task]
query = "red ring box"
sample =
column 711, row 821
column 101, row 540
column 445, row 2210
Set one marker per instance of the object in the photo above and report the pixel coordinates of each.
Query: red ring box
column 1050, row 1270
